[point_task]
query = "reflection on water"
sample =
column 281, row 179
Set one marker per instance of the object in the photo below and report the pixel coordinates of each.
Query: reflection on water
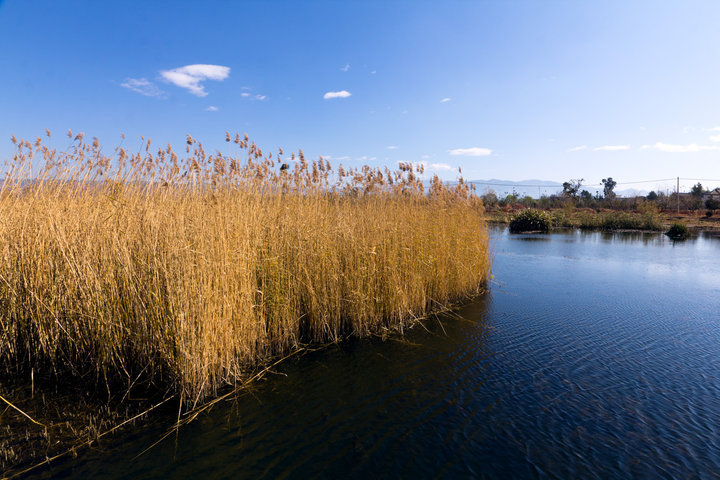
column 595, row 355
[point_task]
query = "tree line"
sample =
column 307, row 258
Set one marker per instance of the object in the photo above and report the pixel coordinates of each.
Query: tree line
column 573, row 194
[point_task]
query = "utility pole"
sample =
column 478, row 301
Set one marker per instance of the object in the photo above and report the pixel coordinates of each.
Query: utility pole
column 677, row 194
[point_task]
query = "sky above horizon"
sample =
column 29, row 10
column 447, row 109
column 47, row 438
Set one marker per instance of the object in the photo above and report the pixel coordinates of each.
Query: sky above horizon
column 512, row 90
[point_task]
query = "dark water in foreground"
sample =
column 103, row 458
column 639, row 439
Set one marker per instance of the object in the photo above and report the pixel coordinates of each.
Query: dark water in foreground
column 593, row 356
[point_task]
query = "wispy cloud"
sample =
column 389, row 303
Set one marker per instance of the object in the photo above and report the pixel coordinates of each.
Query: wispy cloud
column 691, row 148
column 346, row 67
column 471, row 152
column 190, row 77
column 392, row 147
column 373, row 72
column 340, row 94
column 433, row 167
column 445, row 100
column 441, row 167
column 577, row 149
column 613, row 148
column 713, row 138
column 255, row 97
column 212, row 108
column 143, row 86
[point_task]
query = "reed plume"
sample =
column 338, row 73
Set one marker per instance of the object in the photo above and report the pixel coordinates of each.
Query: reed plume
column 185, row 272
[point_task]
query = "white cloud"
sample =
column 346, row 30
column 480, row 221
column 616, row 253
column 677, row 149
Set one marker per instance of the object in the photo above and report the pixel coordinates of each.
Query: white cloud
column 691, row 148
column 471, row 152
column 715, row 138
column 577, row 149
column 346, row 67
column 340, row 94
column 190, row 77
column 142, row 86
column 436, row 167
column 392, row 147
column 445, row 100
column 425, row 157
column 250, row 95
column 441, row 167
column 613, row 148
column 373, row 72
column 212, row 108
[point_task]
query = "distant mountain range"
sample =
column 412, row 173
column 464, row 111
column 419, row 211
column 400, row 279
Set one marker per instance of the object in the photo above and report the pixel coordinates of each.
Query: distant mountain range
column 502, row 188
column 537, row 188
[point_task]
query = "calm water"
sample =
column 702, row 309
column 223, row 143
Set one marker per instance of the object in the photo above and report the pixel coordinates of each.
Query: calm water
column 593, row 356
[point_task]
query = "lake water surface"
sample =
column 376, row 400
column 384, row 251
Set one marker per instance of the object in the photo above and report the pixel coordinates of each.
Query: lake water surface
column 593, row 356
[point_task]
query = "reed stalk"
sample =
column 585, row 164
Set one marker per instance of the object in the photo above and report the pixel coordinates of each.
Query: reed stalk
column 182, row 273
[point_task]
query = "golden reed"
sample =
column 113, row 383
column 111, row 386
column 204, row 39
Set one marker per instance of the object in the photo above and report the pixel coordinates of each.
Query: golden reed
column 181, row 274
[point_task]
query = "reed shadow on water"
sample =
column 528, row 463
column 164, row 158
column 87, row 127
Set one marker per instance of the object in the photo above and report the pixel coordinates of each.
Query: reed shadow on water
column 355, row 408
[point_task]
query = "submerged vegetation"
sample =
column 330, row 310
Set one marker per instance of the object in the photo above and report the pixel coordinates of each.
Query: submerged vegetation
column 149, row 270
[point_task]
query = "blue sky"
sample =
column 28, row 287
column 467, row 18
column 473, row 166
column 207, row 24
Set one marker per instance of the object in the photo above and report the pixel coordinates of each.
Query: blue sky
column 514, row 90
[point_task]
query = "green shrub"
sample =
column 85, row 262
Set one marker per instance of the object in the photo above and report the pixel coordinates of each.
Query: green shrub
column 562, row 218
column 530, row 221
column 678, row 231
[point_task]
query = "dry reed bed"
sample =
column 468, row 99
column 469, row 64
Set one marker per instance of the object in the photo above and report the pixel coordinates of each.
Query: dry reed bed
column 148, row 269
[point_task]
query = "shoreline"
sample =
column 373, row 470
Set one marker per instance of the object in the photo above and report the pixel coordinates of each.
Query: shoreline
column 572, row 220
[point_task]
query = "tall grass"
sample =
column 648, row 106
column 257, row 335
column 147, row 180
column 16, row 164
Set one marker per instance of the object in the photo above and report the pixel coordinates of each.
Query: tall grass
column 181, row 273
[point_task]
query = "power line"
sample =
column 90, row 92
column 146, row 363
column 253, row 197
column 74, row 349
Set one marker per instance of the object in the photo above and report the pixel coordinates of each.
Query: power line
column 513, row 184
column 647, row 181
column 584, row 185
column 702, row 179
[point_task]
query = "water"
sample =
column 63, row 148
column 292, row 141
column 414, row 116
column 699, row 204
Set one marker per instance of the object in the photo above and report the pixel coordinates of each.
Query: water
column 593, row 356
